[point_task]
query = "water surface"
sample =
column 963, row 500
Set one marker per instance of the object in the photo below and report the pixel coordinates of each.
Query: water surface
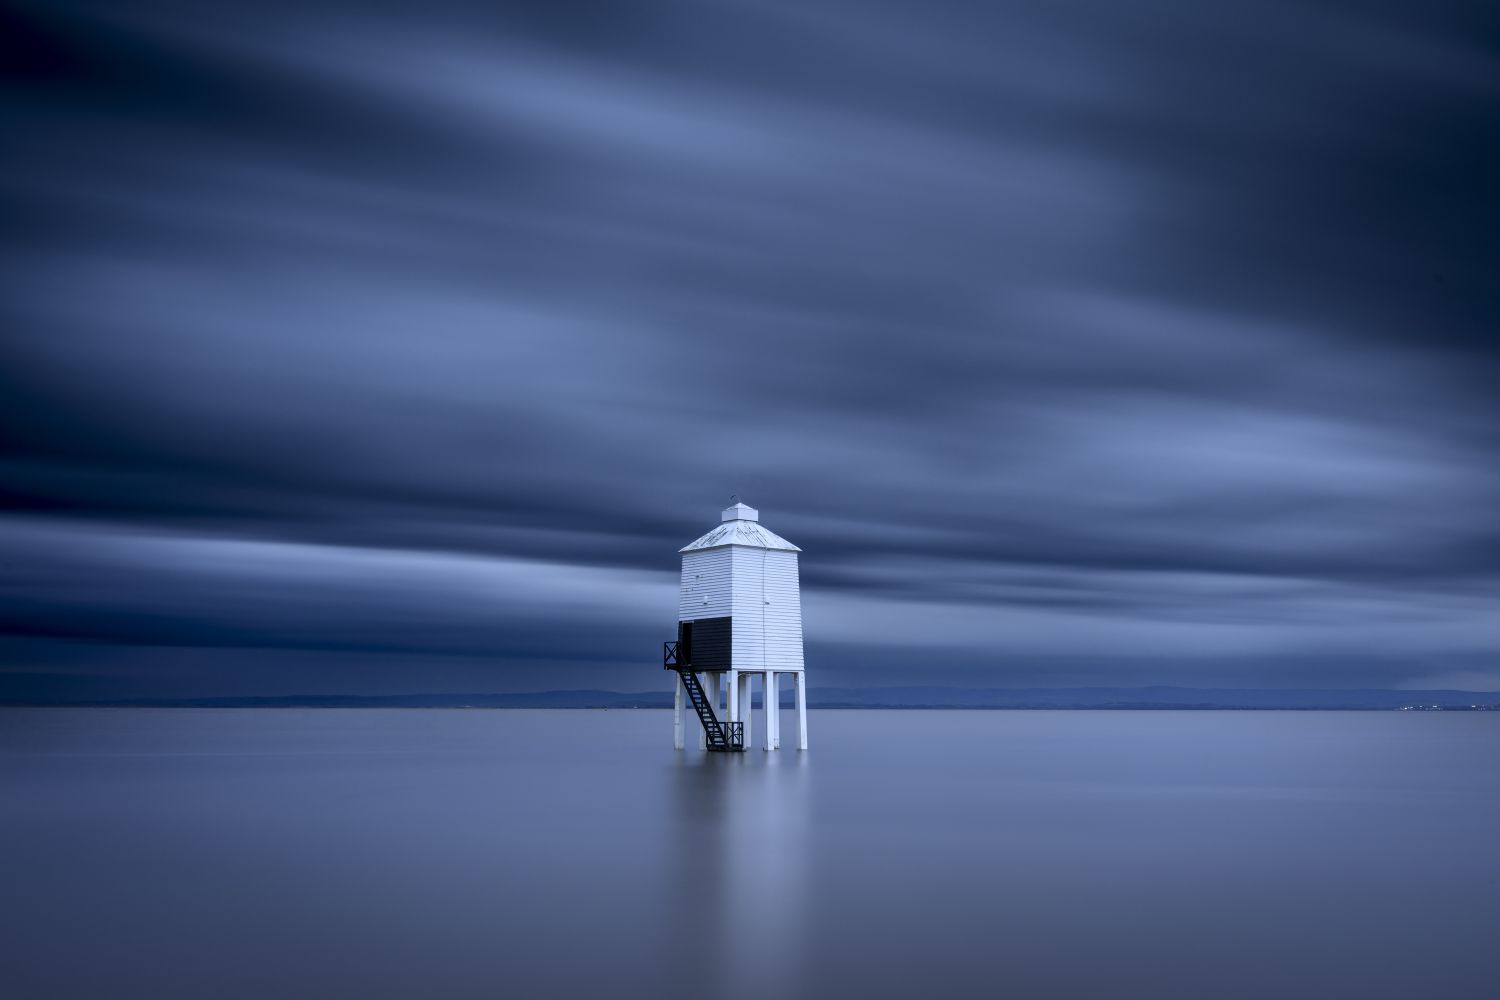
column 314, row 853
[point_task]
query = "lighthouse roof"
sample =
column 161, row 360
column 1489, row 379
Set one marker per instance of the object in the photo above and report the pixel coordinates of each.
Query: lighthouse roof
column 739, row 527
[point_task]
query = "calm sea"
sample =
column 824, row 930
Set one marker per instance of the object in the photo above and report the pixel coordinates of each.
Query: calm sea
column 324, row 853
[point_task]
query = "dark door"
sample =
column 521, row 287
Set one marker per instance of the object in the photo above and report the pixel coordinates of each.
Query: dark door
column 705, row 644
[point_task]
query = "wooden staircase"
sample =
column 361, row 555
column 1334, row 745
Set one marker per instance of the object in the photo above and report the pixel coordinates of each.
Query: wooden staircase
column 720, row 737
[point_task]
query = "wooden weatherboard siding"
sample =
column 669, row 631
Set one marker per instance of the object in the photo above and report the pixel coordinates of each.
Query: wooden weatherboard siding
column 767, row 609
column 706, row 586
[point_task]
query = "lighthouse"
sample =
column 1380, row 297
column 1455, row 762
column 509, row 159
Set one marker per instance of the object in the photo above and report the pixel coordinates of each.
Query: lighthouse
column 739, row 617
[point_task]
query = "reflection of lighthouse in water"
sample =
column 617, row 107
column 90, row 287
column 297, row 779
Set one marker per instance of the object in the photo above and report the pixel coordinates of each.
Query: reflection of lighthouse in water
column 739, row 616
column 746, row 827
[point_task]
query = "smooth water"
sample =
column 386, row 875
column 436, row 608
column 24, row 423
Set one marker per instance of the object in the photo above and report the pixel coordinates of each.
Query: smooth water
column 320, row 853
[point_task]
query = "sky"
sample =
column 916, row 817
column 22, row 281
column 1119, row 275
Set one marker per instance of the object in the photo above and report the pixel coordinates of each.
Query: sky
column 380, row 348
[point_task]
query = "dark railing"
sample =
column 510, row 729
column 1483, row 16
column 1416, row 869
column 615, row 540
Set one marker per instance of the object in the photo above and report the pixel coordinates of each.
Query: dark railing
column 669, row 659
column 734, row 734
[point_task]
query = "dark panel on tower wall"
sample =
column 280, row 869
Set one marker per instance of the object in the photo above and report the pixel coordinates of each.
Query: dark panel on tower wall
column 707, row 641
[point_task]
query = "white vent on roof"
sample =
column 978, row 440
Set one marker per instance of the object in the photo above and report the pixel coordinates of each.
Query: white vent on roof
column 740, row 512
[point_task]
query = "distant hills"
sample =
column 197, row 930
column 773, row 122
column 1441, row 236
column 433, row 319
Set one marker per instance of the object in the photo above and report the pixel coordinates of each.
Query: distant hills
column 887, row 698
column 1147, row 698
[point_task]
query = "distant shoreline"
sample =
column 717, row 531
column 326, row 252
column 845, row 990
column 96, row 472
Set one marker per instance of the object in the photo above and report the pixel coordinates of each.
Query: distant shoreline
column 173, row 707
column 896, row 699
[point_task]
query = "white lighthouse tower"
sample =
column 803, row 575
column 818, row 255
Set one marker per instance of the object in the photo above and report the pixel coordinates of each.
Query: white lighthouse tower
column 739, row 617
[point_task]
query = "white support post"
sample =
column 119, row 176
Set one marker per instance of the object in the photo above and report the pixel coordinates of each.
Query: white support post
column 765, row 707
column 677, row 711
column 772, row 702
column 745, row 713
column 702, row 733
column 713, row 699
column 732, row 698
column 776, row 707
column 801, row 710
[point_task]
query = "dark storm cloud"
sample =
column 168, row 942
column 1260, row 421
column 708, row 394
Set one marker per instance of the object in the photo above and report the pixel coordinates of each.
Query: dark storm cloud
column 1125, row 341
